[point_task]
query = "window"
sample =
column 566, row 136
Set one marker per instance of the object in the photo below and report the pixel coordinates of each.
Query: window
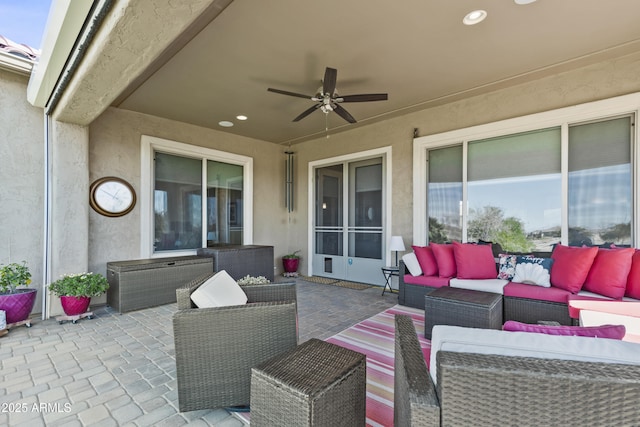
column 444, row 194
column 529, row 187
column 600, row 207
column 199, row 197
column 514, row 191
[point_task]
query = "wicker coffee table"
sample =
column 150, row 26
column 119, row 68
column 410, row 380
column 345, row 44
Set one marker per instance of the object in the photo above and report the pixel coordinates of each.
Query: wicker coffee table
column 462, row 307
column 315, row 384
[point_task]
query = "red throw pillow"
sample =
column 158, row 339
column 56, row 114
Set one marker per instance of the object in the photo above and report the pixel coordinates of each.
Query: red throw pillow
column 609, row 272
column 614, row 332
column 426, row 260
column 571, row 265
column 445, row 259
column 474, row 261
column 633, row 281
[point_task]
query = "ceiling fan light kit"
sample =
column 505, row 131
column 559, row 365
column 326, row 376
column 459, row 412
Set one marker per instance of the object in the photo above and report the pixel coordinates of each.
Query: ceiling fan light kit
column 328, row 100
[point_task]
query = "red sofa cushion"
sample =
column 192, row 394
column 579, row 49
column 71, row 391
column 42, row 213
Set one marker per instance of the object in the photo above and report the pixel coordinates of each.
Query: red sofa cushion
column 474, row 261
column 571, row 266
column 445, row 259
column 609, row 272
column 521, row 290
column 431, row 281
column 426, row 260
column 633, row 280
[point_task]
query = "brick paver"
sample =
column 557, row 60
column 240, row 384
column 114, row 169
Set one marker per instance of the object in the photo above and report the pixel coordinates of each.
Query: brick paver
column 120, row 369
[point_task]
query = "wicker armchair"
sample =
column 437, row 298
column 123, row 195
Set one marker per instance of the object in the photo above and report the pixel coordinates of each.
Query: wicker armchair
column 475, row 389
column 217, row 347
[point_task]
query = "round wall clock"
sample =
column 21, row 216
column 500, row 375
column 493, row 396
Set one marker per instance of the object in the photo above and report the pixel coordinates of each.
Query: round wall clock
column 111, row 196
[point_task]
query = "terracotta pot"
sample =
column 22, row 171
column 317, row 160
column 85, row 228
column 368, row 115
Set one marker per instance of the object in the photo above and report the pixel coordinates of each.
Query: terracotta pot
column 18, row 305
column 74, row 306
column 290, row 264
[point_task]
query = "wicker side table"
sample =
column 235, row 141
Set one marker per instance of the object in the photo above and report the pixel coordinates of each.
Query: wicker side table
column 462, row 307
column 315, row 384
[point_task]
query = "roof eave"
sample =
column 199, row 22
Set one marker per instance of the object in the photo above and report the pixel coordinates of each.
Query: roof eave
column 16, row 64
column 64, row 24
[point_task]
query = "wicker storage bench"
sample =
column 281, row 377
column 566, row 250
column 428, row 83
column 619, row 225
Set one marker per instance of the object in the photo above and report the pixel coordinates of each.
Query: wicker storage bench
column 146, row 283
column 315, row 384
column 462, row 307
column 241, row 260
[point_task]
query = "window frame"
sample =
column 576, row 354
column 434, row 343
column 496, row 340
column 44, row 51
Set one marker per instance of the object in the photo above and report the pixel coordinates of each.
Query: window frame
column 150, row 144
column 562, row 117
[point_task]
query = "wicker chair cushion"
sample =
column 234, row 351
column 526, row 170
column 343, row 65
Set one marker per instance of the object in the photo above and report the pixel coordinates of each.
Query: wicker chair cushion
column 412, row 264
column 490, row 341
column 614, row 332
column 219, row 291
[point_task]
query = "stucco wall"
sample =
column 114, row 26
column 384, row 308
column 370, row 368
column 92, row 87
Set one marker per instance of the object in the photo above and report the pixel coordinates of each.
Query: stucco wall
column 115, row 151
column 21, row 179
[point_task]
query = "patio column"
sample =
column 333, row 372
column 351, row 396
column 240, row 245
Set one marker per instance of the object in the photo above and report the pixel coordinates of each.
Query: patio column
column 68, row 203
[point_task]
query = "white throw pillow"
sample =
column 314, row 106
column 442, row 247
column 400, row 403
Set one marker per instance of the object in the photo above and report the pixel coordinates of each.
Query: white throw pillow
column 219, row 291
column 411, row 261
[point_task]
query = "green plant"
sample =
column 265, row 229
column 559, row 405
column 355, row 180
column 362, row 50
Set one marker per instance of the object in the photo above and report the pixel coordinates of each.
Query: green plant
column 80, row 285
column 293, row 255
column 14, row 275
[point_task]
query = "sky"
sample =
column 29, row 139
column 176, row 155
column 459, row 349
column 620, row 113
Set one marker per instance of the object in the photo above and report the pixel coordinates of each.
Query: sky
column 23, row 21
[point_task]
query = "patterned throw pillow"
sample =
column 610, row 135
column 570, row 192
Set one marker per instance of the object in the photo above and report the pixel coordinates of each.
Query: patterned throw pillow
column 507, row 266
column 533, row 271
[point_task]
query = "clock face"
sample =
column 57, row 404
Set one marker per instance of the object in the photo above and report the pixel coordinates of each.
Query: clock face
column 112, row 196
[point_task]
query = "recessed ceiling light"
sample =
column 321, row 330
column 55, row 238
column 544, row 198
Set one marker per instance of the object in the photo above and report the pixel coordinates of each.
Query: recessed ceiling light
column 474, row 17
column 242, row 117
column 225, row 124
column 523, row 1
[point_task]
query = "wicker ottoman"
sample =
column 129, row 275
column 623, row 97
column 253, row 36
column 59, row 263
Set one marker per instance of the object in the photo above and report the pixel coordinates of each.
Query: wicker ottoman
column 462, row 307
column 315, row 384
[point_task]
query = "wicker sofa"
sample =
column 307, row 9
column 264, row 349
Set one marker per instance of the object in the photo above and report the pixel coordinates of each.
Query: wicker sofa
column 486, row 389
column 521, row 302
column 524, row 310
column 217, row 347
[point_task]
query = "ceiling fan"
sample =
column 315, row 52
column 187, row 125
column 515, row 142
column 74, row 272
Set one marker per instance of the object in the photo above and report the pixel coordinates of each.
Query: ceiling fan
column 328, row 99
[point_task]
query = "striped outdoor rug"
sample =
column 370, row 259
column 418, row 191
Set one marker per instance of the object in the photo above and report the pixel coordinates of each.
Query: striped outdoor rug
column 374, row 337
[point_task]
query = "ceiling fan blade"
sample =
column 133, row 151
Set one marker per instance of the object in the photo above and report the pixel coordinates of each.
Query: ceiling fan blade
column 329, row 82
column 343, row 113
column 365, row 97
column 306, row 112
column 284, row 92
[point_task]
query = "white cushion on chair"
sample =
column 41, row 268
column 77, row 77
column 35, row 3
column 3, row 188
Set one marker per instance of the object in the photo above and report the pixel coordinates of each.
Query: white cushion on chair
column 219, row 291
column 412, row 264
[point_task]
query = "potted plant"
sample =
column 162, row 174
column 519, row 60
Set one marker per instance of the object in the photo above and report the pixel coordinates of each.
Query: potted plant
column 75, row 291
column 15, row 299
column 290, row 262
